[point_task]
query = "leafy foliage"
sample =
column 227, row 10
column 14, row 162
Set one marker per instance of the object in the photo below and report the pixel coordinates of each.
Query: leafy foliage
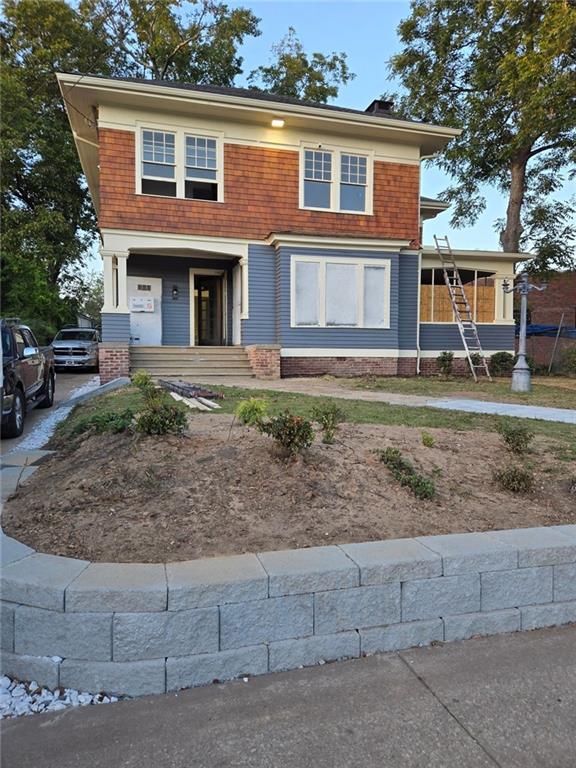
column 445, row 363
column 143, row 381
column 293, row 433
column 515, row 478
column 106, row 421
column 293, row 73
column 517, row 437
column 162, row 416
column 428, row 440
column 505, row 72
column 251, row 411
column 501, row 364
column 403, row 471
column 328, row 415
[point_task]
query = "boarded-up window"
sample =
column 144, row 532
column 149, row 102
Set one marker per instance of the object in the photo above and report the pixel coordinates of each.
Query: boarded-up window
column 307, row 293
column 435, row 303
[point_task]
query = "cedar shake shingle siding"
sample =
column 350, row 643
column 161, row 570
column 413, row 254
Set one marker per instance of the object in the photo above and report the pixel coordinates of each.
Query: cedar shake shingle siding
column 261, row 188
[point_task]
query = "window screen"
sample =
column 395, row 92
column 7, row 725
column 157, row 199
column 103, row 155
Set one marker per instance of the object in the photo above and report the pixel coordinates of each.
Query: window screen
column 307, row 290
column 353, row 176
column 158, row 163
column 341, row 294
column 317, row 178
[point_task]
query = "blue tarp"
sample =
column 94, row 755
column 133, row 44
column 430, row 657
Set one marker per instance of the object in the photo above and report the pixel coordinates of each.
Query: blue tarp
column 548, row 330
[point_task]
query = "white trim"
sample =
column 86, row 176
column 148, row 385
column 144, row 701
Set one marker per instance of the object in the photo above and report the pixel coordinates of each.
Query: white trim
column 216, row 273
column 337, row 150
column 180, row 132
column 382, row 353
column 137, row 240
column 360, row 265
column 340, row 243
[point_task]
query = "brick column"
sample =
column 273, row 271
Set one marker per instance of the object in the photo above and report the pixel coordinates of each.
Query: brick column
column 114, row 360
column 265, row 360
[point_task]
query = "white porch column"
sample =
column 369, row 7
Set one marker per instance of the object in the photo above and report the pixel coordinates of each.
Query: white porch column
column 109, row 292
column 115, row 283
column 504, row 304
column 121, row 281
column 244, row 309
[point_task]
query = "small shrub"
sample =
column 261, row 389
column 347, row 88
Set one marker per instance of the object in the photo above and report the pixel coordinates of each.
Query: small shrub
column 251, row 411
column 428, row 440
column 517, row 437
column 403, row 471
column 143, row 381
column 162, row 417
column 476, row 358
column 515, row 478
column 445, row 363
column 501, row 364
column 114, row 422
column 293, row 433
column 328, row 415
column 568, row 362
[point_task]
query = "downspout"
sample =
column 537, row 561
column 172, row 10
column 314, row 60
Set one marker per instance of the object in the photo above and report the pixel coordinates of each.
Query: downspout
column 420, row 249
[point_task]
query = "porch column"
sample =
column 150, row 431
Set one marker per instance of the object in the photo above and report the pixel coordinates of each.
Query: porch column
column 113, row 353
column 244, row 308
column 121, row 282
column 109, row 292
column 115, row 283
column 504, row 303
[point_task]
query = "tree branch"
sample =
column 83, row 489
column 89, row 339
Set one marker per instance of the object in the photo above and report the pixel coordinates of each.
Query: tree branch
column 545, row 148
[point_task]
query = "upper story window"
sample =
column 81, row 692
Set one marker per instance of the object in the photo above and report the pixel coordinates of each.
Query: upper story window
column 336, row 180
column 180, row 164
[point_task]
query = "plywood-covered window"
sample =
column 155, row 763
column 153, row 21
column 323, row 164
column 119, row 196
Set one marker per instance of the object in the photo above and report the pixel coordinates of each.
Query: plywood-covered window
column 435, row 304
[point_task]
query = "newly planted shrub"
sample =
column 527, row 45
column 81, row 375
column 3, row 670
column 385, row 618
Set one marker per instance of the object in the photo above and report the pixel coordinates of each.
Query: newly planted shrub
column 517, row 437
column 328, row 415
column 162, row 416
column 251, row 411
column 445, row 363
column 428, row 440
column 403, row 471
column 515, row 478
column 110, row 421
column 293, row 433
column 501, row 364
column 143, row 381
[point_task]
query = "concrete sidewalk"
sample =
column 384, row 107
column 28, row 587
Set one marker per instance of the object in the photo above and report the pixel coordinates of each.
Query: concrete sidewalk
column 507, row 701
column 320, row 387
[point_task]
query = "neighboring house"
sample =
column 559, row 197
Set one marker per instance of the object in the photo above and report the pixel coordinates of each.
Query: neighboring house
column 244, row 229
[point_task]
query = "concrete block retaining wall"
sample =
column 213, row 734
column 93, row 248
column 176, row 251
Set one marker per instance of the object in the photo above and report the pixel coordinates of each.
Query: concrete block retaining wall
column 136, row 629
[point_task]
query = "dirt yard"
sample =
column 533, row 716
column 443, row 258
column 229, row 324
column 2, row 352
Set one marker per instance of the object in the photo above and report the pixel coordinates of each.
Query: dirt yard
column 125, row 498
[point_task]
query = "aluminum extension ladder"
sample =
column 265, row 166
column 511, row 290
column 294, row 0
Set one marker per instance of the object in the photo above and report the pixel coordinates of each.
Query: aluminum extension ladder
column 462, row 311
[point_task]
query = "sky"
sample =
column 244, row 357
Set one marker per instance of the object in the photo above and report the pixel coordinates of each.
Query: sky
column 366, row 31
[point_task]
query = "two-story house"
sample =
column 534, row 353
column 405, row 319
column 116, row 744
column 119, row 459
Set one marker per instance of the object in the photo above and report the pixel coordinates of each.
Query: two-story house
column 245, row 232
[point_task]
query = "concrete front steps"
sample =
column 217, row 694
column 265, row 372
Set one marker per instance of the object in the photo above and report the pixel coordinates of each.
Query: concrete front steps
column 208, row 363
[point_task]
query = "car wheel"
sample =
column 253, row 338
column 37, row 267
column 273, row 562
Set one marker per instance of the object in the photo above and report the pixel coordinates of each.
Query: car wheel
column 48, row 399
column 15, row 424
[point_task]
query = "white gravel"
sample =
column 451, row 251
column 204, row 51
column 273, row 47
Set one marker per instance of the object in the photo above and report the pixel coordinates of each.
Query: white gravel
column 17, row 699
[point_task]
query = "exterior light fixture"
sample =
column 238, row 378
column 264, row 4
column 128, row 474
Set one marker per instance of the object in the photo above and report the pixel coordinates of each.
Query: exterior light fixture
column 175, row 292
column 277, row 122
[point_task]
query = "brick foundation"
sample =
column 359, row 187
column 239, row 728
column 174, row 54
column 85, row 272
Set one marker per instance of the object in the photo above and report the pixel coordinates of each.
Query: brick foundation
column 114, row 361
column 460, row 367
column 265, row 361
column 341, row 366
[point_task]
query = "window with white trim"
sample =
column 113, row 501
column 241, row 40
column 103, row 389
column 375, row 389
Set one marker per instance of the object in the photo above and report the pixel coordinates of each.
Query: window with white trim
column 181, row 164
column 336, row 180
column 340, row 292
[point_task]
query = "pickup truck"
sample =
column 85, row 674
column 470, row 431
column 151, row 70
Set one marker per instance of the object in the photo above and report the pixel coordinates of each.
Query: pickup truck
column 76, row 347
column 28, row 376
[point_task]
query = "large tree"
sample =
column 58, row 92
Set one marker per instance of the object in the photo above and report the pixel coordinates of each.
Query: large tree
column 504, row 71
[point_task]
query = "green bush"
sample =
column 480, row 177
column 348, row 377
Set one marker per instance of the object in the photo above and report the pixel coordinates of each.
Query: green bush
column 328, row 415
column 515, row 478
column 162, row 416
column 143, row 381
column 501, row 364
column 111, row 421
column 445, row 363
column 403, row 471
column 428, row 440
column 293, row 433
column 251, row 411
column 517, row 437
column 568, row 362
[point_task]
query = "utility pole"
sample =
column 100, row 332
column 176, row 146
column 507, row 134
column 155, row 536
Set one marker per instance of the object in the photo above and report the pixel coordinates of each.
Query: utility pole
column 521, row 372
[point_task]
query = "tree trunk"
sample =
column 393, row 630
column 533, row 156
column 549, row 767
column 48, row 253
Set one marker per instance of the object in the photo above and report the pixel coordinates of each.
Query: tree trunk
column 510, row 235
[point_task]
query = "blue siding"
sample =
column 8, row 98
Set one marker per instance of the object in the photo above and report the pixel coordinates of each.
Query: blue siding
column 446, row 336
column 174, row 271
column 408, row 301
column 360, row 338
column 260, row 327
column 115, row 326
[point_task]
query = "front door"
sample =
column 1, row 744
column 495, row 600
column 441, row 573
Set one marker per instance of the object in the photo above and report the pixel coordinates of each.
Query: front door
column 145, row 303
column 208, row 311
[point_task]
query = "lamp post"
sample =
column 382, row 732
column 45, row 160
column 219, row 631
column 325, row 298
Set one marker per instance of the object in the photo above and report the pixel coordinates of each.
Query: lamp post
column 521, row 371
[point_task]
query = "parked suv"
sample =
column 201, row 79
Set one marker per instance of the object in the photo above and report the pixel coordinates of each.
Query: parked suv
column 28, row 376
column 76, row 347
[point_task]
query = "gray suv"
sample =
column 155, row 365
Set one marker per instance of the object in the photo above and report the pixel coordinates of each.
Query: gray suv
column 76, row 347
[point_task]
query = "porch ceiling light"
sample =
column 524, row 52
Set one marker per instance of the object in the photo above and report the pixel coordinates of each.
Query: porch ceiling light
column 175, row 293
column 277, row 122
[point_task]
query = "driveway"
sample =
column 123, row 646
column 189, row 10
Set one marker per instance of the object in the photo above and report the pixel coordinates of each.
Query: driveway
column 66, row 384
column 501, row 702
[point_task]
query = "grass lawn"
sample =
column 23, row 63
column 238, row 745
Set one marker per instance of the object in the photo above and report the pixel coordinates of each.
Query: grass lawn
column 357, row 412
column 555, row 392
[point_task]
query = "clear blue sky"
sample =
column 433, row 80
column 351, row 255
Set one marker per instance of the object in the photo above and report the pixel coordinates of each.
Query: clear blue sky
column 366, row 31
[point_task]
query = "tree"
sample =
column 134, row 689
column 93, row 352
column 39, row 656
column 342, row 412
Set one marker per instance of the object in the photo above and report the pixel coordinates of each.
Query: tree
column 505, row 72
column 293, row 73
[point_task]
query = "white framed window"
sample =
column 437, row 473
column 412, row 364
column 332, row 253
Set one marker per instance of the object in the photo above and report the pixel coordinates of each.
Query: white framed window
column 179, row 162
column 336, row 179
column 329, row 292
